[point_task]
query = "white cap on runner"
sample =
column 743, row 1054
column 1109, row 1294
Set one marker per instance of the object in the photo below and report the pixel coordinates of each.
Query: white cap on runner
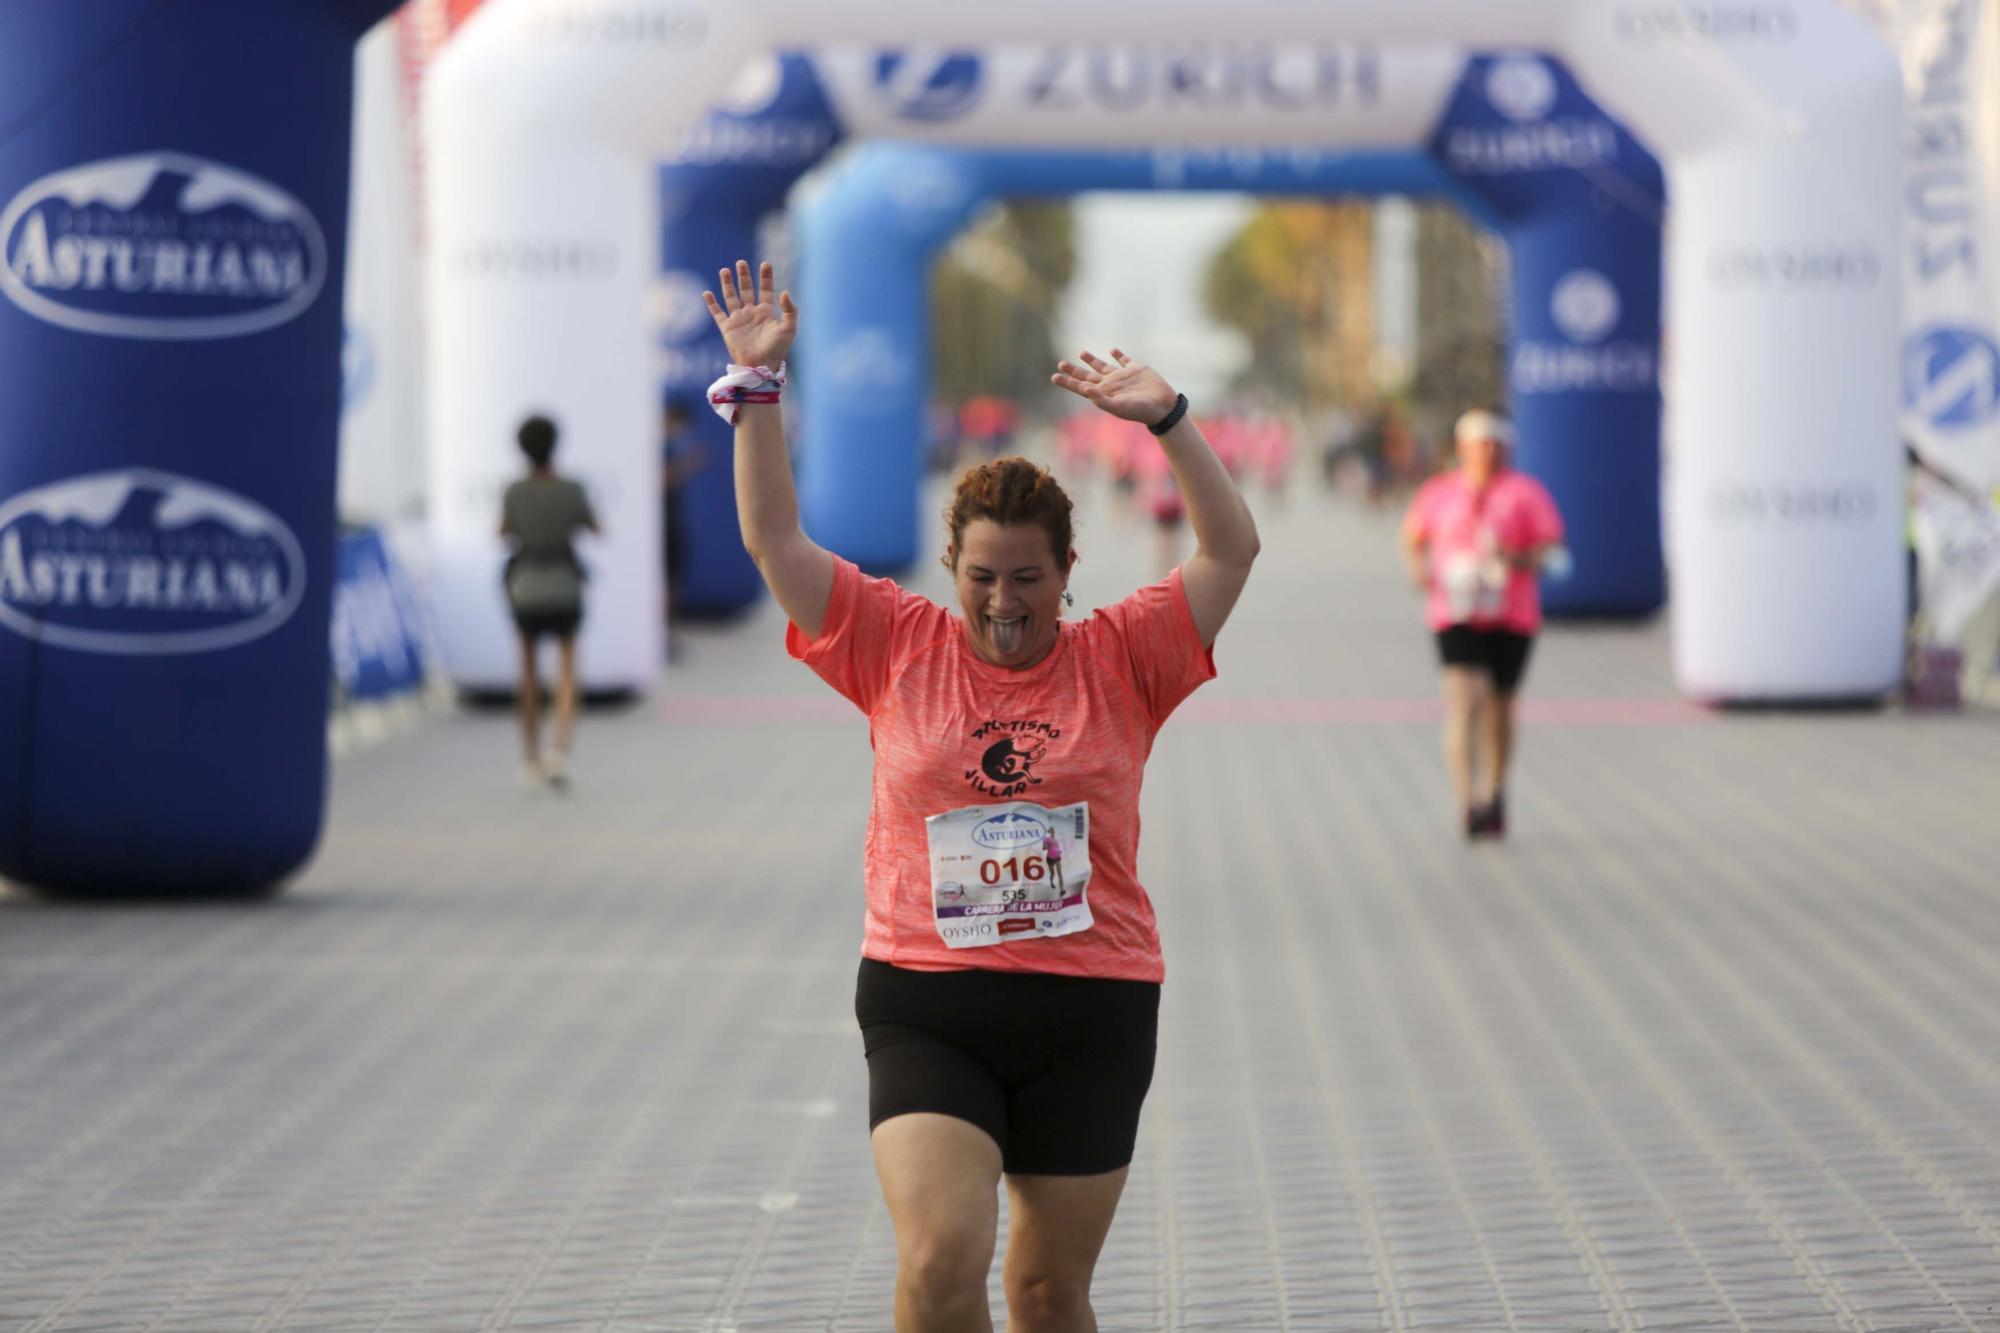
column 1480, row 424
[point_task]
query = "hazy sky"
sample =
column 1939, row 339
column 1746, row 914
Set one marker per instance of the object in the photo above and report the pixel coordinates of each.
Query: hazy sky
column 1140, row 263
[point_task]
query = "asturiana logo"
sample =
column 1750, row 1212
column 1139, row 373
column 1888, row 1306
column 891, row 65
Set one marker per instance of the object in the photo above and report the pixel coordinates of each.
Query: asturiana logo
column 141, row 562
column 1010, row 832
column 160, row 245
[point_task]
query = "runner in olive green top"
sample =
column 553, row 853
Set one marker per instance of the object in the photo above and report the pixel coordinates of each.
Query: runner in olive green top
column 542, row 513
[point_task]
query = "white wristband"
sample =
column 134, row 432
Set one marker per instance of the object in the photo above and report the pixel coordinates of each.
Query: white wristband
column 744, row 384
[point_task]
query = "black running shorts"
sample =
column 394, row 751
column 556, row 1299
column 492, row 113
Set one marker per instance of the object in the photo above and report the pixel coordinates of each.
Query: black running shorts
column 1500, row 653
column 1053, row 1068
column 561, row 625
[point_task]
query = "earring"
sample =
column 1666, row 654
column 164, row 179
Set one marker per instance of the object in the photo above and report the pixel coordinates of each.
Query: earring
column 1067, row 599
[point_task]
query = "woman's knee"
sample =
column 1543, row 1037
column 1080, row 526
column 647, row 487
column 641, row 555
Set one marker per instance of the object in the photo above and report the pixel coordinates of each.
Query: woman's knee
column 947, row 1262
column 1053, row 1299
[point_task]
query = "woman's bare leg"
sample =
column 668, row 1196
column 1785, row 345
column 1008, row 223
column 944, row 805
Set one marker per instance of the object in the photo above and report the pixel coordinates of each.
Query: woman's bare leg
column 564, row 726
column 528, row 703
column 940, row 1178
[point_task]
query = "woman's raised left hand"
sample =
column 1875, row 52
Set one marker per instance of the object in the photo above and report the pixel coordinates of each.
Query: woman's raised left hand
column 1127, row 389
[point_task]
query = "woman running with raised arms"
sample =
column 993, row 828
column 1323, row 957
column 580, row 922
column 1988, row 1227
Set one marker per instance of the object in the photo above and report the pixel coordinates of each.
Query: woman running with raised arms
column 1008, row 1013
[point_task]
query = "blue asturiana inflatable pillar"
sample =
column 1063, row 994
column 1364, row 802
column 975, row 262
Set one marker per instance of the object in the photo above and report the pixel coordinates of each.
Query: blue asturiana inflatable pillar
column 173, row 199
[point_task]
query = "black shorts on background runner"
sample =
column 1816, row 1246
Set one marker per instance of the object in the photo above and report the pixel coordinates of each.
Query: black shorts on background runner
column 1053, row 1068
column 563, row 625
column 1500, row 653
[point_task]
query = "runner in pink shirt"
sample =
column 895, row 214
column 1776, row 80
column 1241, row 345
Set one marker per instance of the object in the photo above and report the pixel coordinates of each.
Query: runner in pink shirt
column 1474, row 539
column 1010, row 976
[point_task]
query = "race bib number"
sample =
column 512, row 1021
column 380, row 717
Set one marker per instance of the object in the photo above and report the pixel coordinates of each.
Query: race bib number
column 1007, row 872
column 1474, row 587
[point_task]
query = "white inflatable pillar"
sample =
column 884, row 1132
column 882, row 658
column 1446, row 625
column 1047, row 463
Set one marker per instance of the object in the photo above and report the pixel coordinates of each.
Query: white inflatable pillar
column 539, row 275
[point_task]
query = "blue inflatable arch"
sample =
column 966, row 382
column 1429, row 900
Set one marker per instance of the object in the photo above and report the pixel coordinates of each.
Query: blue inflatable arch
column 1579, row 206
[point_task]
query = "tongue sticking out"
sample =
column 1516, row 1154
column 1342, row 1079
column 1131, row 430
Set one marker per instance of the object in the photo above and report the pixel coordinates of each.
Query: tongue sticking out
column 1007, row 635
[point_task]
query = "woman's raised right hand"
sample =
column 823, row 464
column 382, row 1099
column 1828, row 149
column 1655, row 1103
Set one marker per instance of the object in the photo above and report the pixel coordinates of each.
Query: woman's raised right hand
column 758, row 322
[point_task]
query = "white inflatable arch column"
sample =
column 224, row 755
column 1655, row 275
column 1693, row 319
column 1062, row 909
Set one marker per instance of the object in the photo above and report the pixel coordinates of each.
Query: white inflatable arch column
column 1778, row 122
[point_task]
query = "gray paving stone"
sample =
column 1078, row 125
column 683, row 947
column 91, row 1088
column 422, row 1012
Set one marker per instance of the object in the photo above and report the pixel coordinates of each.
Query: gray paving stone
column 1710, row 1040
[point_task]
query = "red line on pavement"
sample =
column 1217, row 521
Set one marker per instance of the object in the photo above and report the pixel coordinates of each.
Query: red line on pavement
column 735, row 710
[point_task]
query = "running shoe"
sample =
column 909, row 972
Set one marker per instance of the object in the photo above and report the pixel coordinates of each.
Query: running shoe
column 1485, row 821
column 557, row 772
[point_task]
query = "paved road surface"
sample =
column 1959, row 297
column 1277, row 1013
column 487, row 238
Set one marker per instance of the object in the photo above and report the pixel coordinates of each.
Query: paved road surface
column 1713, row 1042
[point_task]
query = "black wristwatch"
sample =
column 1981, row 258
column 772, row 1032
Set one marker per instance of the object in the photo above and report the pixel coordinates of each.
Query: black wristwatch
column 1171, row 419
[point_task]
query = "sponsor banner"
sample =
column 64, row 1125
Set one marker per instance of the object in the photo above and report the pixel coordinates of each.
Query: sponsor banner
column 377, row 634
column 1958, row 557
column 1657, row 24
column 1099, row 96
column 1790, row 504
column 1585, row 341
column 1521, row 132
column 165, row 246
column 138, row 562
column 1950, row 51
column 773, row 116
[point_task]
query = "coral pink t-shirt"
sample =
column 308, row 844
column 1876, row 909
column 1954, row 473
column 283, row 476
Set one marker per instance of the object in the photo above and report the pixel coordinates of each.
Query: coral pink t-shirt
column 950, row 730
column 1512, row 513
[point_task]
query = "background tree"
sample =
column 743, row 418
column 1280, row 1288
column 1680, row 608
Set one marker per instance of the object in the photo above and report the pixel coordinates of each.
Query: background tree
column 1462, row 317
column 994, row 298
column 1297, row 281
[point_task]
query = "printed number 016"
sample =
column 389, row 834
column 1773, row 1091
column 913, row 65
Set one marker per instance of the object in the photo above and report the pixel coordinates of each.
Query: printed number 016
column 1014, row 869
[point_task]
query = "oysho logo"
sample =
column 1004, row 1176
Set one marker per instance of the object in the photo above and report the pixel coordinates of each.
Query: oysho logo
column 532, row 259
column 1584, row 306
column 1521, row 88
column 1825, row 503
column 662, row 26
column 1816, row 268
column 928, row 85
column 160, row 246
column 1010, row 832
column 144, row 562
column 1951, row 376
column 1654, row 24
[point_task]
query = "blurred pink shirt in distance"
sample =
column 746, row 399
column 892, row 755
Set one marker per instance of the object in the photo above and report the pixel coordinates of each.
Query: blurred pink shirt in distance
column 1512, row 513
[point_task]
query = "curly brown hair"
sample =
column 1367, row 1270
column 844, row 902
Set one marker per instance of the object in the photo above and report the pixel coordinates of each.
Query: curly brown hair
column 1010, row 491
